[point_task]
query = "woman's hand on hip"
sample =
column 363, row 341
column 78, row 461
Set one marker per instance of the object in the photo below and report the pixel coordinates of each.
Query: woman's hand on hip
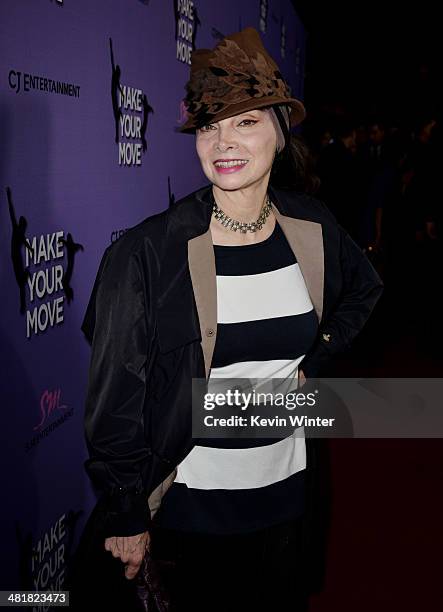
column 130, row 549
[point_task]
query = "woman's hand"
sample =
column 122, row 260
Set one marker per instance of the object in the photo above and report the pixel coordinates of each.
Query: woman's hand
column 301, row 378
column 130, row 549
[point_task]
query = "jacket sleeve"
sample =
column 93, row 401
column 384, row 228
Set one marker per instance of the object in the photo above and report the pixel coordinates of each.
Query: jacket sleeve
column 115, row 325
column 361, row 289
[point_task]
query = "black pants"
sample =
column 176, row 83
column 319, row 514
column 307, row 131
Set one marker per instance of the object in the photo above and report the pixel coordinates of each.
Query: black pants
column 259, row 571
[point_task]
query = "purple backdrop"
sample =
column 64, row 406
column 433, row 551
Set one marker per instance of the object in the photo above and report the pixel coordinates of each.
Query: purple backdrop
column 69, row 180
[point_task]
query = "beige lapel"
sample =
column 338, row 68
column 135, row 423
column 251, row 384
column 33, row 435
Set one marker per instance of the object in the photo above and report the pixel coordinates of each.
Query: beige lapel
column 201, row 262
column 306, row 241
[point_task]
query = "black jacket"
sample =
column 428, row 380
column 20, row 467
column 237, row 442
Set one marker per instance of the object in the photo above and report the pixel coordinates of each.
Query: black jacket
column 152, row 322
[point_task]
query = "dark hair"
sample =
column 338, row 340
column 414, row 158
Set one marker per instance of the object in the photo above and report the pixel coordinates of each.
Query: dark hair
column 293, row 167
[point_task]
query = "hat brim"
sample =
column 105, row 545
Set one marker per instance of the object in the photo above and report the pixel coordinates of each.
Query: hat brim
column 296, row 116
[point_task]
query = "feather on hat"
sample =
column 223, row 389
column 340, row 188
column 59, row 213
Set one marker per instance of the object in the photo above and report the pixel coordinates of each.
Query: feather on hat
column 236, row 76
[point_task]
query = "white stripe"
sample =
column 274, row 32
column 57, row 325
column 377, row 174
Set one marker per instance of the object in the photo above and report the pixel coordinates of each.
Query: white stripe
column 243, row 468
column 272, row 376
column 272, row 368
column 252, row 297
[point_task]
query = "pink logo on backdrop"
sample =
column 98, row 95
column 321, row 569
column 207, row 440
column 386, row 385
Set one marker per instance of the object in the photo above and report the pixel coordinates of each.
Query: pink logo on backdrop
column 49, row 403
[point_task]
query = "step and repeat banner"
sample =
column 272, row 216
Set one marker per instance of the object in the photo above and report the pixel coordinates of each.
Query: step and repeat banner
column 90, row 99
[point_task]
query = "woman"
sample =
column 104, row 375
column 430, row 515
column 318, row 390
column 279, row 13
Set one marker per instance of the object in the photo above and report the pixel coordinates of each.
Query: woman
column 237, row 279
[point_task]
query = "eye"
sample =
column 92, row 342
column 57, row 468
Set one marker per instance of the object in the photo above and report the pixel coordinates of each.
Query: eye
column 209, row 127
column 249, row 121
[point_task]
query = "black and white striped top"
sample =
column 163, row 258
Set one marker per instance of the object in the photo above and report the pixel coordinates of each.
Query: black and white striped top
column 266, row 324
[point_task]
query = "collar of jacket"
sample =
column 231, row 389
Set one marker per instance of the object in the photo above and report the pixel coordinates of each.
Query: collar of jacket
column 187, row 304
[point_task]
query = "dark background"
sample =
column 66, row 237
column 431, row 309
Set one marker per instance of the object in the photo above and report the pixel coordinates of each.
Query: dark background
column 366, row 62
column 371, row 56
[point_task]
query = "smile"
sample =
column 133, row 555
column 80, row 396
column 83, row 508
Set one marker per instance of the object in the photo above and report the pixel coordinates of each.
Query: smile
column 231, row 165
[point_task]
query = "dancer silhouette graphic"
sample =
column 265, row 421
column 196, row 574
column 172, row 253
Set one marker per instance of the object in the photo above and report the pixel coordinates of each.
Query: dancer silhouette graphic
column 147, row 108
column 19, row 240
column 115, row 88
column 171, row 195
column 197, row 23
column 25, row 557
column 71, row 249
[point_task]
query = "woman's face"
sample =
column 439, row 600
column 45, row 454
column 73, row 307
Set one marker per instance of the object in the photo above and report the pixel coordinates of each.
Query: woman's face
column 238, row 151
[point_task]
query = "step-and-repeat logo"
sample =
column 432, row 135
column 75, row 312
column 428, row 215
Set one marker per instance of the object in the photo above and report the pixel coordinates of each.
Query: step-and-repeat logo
column 44, row 277
column 24, row 82
column 52, row 413
column 263, row 18
column 186, row 25
column 131, row 110
column 44, row 563
column 116, row 234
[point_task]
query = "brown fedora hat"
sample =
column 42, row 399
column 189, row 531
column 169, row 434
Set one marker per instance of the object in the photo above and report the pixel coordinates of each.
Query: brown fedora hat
column 236, row 76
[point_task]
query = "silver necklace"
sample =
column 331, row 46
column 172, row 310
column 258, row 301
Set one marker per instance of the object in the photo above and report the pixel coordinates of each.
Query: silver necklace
column 243, row 226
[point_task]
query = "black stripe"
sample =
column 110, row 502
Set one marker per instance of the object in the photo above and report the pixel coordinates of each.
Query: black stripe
column 232, row 511
column 265, row 256
column 265, row 339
